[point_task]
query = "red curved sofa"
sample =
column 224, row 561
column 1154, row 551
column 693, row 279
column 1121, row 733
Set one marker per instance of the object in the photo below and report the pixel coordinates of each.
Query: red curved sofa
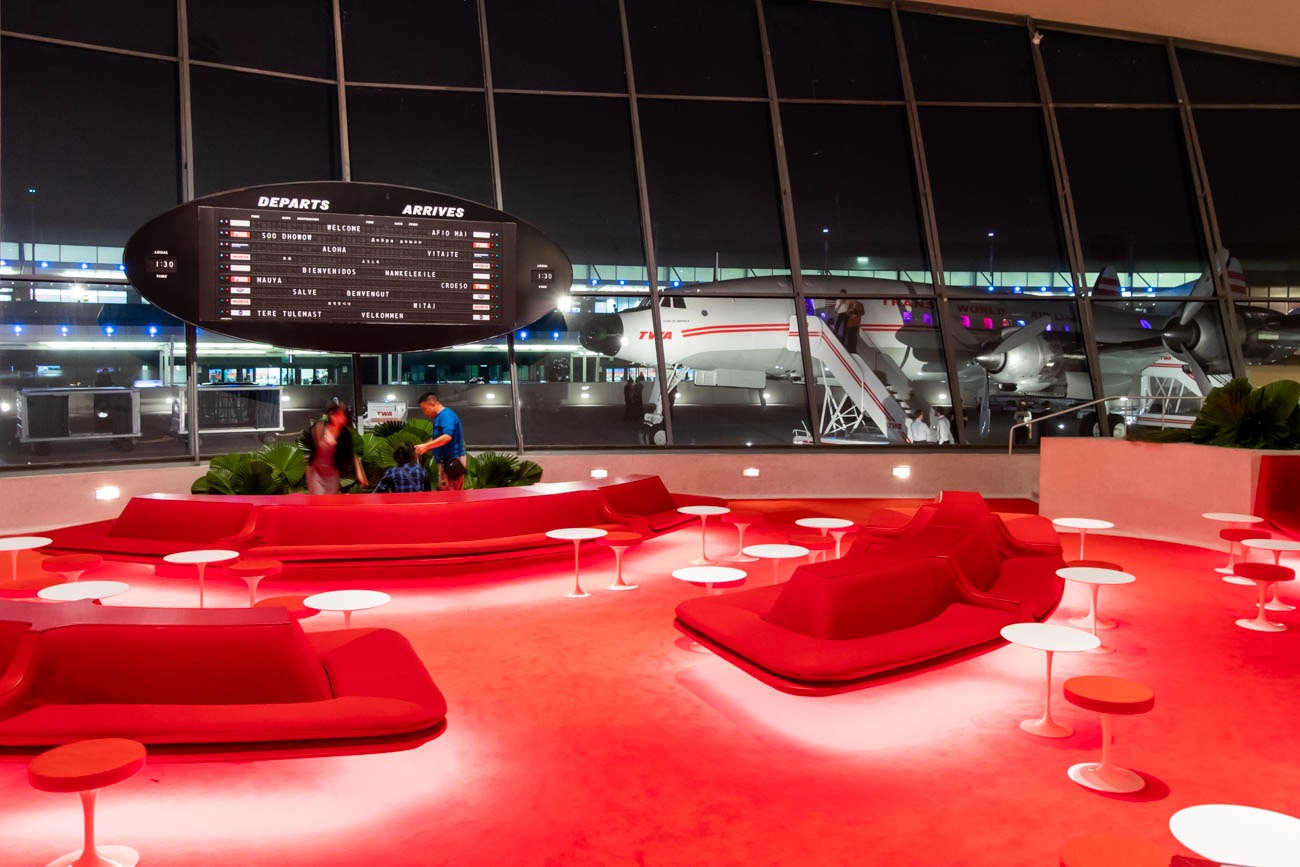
column 233, row 679
column 905, row 602
column 1276, row 497
column 327, row 536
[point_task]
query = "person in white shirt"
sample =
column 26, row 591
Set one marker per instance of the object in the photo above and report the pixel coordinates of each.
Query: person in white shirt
column 943, row 428
column 918, row 430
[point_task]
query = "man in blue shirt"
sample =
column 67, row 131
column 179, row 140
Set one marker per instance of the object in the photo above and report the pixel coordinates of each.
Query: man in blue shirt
column 448, row 443
column 408, row 477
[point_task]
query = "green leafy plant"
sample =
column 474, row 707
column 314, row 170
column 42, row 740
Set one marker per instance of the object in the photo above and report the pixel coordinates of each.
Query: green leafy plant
column 282, row 468
column 273, row 469
column 500, row 470
column 1239, row 416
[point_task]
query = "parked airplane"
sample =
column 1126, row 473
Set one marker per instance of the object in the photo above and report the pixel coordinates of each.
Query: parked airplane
column 1006, row 346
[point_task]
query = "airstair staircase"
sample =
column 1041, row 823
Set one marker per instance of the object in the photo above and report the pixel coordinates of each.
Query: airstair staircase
column 853, row 391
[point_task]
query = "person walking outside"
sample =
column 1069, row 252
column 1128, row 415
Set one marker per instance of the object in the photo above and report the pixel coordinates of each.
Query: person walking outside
column 942, row 428
column 918, row 430
column 447, row 445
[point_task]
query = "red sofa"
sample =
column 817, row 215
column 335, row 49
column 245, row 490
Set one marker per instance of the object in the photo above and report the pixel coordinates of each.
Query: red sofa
column 889, row 606
column 404, row 533
column 1277, row 496
column 227, row 679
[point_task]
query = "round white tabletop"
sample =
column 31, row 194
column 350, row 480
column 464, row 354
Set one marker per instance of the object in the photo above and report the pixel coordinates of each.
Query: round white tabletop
column 709, row 575
column 1083, row 523
column 200, row 559
column 83, row 590
column 1094, row 575
column 577, row 534
column 1233, row 834
column 347, row 601
column 703, row 510
column 776, row 551
column 1231, row 517
column 1277, row 546
column 23, row 543
column 1050, row 637
column 825, row 524
column 14, row 544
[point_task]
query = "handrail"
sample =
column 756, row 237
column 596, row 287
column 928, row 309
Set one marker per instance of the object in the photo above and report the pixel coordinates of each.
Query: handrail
column 1164, row 398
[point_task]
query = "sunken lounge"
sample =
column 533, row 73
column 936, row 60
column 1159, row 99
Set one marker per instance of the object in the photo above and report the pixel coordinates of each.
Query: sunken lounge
column 905, row 680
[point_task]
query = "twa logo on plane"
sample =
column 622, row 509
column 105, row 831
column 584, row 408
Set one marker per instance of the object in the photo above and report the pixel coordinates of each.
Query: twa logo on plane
column 650, row 335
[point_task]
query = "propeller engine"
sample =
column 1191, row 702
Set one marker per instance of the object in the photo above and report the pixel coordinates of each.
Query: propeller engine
column 603, row 333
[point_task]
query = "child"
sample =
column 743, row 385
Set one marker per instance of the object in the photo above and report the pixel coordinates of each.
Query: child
column 407, row 477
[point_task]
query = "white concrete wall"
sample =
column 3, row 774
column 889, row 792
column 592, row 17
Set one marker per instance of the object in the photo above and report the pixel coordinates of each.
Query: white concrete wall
column 1156, row 491
column 56, row 499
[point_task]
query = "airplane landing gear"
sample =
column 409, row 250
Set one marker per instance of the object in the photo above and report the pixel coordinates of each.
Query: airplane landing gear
column 654, row 435
column 1090, row 426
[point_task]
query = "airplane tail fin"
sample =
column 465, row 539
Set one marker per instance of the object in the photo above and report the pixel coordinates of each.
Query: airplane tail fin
column 1107, row 285
column 1237, row 285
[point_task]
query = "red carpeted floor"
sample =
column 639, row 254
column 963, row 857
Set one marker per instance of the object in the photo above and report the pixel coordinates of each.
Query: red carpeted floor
column 587, row 732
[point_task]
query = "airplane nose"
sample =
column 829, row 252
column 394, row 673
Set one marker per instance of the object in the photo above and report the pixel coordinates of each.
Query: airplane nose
column 993, row 362
column 603, row 333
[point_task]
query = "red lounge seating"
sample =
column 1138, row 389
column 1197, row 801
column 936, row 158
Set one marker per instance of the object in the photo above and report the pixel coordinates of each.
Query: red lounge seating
column 1276, row 500
column 330, row 536
column 642, row 502
column 162, row 524
column 246, row 678
column 835, row 625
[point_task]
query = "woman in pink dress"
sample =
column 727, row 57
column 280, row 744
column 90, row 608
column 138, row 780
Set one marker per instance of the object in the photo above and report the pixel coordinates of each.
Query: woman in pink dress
column 330, row 453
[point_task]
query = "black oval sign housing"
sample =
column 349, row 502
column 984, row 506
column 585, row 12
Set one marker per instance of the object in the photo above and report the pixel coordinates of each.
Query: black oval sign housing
column 347, row 267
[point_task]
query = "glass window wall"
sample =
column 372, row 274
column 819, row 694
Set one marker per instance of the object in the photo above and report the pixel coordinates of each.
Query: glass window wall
column 1094, row 69
column 711, row 176
column 66, row 185
column 697, row 49
column 955, row 59
column 827, row 51
column 1169, row 350
column 396, row 137
column 433, row 42
column 1259, row 224
column 295, row 36
column 1133, row 195
column 473, row 379
column 151, row 26
column 1018, row 357
column 587, row 373
column 84, row 379
column 855, row 199
column 735, row 373
column 111, row 369
column 1218, row 78
column 574, row 45
column 995, row 201
column 577, row 182
column 253, row 129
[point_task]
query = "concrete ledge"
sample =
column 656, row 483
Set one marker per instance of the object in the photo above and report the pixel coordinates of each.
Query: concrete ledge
column 59, row 499
column 1151, row 490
